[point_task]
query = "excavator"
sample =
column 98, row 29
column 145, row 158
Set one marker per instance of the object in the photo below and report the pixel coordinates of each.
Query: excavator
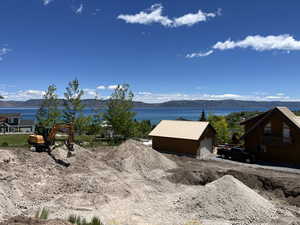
column 44, row 141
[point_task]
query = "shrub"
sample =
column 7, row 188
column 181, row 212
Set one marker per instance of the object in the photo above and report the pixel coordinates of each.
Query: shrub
column 44, row 214
column 78, row 220
column 4, row 144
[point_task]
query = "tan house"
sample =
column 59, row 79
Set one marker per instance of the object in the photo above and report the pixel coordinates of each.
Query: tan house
column 274, row 136
column 183, row 137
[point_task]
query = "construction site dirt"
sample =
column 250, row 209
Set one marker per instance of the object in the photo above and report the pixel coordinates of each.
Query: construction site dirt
column 135, row 185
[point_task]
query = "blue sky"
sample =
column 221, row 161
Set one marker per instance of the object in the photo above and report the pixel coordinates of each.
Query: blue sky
column 165, row 50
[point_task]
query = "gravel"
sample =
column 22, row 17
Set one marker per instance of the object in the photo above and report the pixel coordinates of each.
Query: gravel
column 122, row 185
column 228, row 198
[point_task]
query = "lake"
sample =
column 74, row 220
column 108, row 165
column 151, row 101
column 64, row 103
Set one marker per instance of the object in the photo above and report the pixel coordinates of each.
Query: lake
column 154, row 114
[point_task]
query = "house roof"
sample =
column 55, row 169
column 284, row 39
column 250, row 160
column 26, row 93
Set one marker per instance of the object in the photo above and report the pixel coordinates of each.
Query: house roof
column 26, row 123
column 10, row 115
column 191, row 130
column 284, row 110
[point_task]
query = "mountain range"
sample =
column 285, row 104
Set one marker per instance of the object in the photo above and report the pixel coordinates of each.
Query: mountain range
column 203, row 104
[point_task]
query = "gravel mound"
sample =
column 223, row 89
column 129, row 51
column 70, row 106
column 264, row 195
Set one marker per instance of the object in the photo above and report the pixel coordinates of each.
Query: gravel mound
column 134, row 157
column 228, row 198
column 20, row 220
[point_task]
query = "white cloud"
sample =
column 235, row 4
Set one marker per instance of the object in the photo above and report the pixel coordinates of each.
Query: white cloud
column 200, row 54
column 112, row 87
column 46, row 2
column 191, row 19
column 144, row 93
column 109, row 87
column 284, row 42
column 90, row 93
column 23, row 94
column 3, row 52
column 80, row 9
column 163, row 97
column 101, row 87
column 260, row 43
column 154, row 15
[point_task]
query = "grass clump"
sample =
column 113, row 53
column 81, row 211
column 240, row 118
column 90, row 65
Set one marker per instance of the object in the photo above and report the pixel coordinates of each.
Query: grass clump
column 78, row 220
column 42, row 214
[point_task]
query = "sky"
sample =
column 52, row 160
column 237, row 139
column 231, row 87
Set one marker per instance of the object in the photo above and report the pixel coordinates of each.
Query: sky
column 165, row 50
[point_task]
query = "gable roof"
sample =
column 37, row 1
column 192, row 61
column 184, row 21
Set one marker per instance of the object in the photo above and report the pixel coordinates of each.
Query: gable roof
column 6, row 115
column 283, row 110
column 191, row 130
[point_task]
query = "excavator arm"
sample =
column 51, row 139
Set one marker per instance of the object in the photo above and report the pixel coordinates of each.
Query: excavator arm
column 67, row 128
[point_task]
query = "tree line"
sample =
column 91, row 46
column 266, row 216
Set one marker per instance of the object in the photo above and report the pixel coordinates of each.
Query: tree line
column 117, row 114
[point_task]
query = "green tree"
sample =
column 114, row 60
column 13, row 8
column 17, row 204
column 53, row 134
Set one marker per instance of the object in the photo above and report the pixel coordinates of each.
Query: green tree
column 49, row 114
column 202, row 117
column 119, row 111
column 221, row 126
column 1, row 97
column 73, row 107
column 142, row 128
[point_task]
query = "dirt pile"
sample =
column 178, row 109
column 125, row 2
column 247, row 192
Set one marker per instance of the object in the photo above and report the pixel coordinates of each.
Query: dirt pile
column 134, row 157
column 129, row 184
column 229, row 199
column 20, row 220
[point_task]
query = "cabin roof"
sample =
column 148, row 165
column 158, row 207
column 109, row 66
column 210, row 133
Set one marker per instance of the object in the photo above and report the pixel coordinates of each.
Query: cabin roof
column 262, row 117
column 191, row 130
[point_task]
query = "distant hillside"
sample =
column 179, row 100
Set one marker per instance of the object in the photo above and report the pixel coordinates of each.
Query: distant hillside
column 203, row 104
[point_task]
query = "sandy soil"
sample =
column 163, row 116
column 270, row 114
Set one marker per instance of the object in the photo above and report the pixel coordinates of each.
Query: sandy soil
column 135, row 185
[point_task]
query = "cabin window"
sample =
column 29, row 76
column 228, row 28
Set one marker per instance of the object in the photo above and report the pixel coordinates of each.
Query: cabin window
column 268, row 129
column 286, row 133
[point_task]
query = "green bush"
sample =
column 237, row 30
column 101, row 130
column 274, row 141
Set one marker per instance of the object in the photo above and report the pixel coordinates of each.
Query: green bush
column 44, row 214
column 4, row 144
column 78, row 220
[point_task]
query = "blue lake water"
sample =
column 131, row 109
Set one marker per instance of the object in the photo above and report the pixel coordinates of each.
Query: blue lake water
column 152, row 114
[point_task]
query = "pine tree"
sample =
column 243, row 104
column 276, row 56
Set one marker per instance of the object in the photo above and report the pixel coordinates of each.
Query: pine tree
column 119, row 111
column 49, row 114
column 202, row 117
column 73, row 107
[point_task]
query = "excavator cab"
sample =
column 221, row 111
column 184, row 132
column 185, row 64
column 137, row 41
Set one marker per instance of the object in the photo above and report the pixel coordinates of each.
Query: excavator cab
column 44, row 139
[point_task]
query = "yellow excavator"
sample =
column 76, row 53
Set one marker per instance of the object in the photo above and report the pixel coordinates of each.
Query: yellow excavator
column 45, row 140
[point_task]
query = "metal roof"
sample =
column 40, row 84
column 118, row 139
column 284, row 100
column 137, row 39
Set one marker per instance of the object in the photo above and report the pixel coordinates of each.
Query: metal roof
column 284, row 110
column 191, row 130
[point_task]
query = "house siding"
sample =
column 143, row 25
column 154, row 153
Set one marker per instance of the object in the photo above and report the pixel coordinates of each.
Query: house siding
column 255, row 141
column 181, row 146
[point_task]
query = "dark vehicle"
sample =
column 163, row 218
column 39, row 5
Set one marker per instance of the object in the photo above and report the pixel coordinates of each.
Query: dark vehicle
column 237, row 154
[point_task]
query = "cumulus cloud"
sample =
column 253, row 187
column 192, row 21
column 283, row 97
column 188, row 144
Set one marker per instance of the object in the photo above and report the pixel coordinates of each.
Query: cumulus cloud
column 154, row 15
column 200, row 54
column 261, row 43
column 191, row 19
column 284, row 42
column 46, row 2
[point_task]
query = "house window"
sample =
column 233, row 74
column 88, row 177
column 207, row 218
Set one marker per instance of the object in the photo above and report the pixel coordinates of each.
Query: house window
column 268, row 129
column 286, row 134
